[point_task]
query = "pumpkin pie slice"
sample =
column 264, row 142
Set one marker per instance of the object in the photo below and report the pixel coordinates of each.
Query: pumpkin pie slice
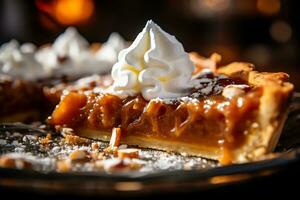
column 19, row 100
column 164, row 98
column 233, row 114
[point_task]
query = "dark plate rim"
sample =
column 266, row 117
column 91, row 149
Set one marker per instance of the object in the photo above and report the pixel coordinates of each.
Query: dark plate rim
column 279, row 161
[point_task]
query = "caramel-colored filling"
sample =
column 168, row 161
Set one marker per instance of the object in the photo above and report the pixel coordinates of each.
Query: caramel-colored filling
column 19, row 96
column 210, row 119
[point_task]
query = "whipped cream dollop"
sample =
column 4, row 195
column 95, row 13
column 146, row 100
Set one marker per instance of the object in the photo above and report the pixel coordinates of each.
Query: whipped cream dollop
column 66, row 55
column 155, row 65
column 110, row 49
column 18, row 61
column 70, row 44
column 70, row 54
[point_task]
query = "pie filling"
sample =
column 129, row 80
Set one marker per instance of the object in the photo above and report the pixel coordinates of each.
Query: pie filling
column 205, row 117
column 27, row 101
column 17, row 96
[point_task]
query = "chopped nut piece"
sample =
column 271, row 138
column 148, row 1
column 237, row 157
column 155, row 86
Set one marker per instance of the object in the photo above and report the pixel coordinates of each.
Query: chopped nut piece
column 96, row 155
column 63, row 166
column 115, row 137
column 64, row 131
column 118, row 164
column 95, row 146
column 17, row 163
column 49, row 136
column 128, row 153
column 78, row 155
column 231, row 91
column 111, row 150
column 134, row 166
column 113, row 164
column 73, row 139
column 46, row 140
column 100, row 156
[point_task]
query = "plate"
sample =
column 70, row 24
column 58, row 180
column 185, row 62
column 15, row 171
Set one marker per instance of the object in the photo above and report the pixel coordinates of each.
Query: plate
column 167, row 173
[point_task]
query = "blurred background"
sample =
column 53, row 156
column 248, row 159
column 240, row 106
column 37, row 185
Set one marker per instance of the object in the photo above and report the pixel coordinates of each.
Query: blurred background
column 264, row 32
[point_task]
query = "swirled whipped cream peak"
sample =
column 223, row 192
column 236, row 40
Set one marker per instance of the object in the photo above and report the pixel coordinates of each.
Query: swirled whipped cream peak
column 70, row 44
column 110, row 49
column 71, row 54
column 18, row 61
column 155, row 65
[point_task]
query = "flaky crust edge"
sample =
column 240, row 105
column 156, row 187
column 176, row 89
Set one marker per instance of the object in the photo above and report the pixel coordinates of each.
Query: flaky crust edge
column 272, row 112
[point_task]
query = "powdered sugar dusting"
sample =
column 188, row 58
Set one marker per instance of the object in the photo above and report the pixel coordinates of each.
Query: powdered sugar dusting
column 26, row 149
column 185, row 99
column 206, row 84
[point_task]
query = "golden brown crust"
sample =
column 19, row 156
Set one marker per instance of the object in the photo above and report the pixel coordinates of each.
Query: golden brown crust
column 205, row 63
column 272, row 111
column 155, row 143
column 237, row 70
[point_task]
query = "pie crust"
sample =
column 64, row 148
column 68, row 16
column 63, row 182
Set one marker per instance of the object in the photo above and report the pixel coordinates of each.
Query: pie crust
column 259, row 138
column 272, row 112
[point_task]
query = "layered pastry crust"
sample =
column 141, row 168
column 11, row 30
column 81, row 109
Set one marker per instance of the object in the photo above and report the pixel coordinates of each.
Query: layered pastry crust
column 259, row 123
column 183, row 148
column 272, row 111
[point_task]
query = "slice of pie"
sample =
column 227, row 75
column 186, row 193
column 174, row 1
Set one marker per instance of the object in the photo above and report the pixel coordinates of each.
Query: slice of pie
column 28, row 101
column 20, row 100
column 162, row 100
column 33, row 78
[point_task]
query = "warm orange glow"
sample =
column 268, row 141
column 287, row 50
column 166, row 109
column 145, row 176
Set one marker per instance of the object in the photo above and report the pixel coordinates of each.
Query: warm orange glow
column 281, row 31
column 73, row 11
column 268, row 7
column 216, row 5
column 67, row 12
